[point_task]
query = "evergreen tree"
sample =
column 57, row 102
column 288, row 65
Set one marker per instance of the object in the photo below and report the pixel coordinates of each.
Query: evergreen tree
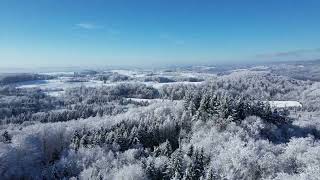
column 240, row 110
column 223, row 109
column 195, row 169
column 190, row 172
column 167, row 151
column 211, row 175
column 75, row 141
column 151, row 170
column 6, row 137
column 86, row 139
column 204, row 103
column 214, row 105
column 186, row 121
column 190, row 151
column 177, row 164
column 192, row 107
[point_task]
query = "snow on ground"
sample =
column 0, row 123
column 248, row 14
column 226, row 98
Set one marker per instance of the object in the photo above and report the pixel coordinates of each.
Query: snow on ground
column 239, row 70
column 159, row 85
column 71, row 73
column 54, row 93
column 64, row 84
column 58, row 83
column 57, row 86
column 124, row 72
column 196, row 74
column 284, row 104
column 141, row 100
column 152, row 100
column 260, row 67
column 130, row 73
column 205, row 67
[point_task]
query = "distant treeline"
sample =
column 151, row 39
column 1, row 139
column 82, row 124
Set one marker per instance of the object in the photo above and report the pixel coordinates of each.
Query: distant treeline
column 15, row 78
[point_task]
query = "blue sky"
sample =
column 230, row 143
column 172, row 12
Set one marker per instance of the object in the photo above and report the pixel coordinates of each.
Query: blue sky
column 156, row 32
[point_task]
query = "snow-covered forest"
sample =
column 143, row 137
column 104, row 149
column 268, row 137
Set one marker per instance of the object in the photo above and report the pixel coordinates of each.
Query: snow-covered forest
column 199, row 122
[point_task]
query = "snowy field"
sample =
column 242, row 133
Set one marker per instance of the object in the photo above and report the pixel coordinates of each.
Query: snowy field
column 58, row 85
column 285, row 104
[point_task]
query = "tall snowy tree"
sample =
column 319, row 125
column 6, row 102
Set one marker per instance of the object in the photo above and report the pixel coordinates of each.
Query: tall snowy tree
column 177, row 164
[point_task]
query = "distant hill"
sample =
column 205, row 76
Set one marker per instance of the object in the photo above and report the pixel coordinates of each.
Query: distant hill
column 9, row 78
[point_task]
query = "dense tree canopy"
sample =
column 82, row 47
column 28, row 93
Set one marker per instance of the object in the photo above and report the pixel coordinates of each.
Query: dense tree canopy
column 223, row 128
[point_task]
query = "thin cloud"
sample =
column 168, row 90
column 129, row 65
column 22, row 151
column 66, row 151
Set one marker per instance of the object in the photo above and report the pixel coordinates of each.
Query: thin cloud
column 88, row 26
column 91, row 26
column 294, row 53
